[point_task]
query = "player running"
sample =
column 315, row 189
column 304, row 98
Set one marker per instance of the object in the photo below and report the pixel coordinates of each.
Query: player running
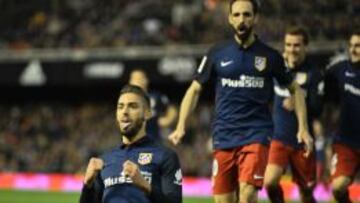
column 243, row 69
column 285, row 149
column 343, row 80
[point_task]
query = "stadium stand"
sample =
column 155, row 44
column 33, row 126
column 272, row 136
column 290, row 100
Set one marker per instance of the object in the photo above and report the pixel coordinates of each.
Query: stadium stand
column 86, row 24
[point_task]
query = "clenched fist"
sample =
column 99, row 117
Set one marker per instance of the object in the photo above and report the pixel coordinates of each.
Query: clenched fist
column 289, row 104
column 304, row 137
column 132, row 170
column 93, row 168
column 176, row 136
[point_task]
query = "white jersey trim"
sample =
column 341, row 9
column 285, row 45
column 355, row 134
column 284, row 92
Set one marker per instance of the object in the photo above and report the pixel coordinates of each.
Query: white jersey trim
column 202, row 64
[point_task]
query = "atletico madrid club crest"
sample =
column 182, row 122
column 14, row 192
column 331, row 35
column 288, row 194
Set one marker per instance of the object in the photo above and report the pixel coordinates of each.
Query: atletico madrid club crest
column 145, row 158
column 260, row 63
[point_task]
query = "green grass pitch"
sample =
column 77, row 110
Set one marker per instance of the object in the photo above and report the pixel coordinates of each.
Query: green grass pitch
column 10, row 196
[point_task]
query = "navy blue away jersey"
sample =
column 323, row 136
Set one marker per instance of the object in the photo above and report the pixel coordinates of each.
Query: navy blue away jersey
column 343, row 80
column 311, row 81
column 244, row 88
column 159, row 103
column 158, row 165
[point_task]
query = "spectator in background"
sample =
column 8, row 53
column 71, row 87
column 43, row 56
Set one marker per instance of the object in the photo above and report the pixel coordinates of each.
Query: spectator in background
column 163, row 113
column 32, row 136
column 80, row 23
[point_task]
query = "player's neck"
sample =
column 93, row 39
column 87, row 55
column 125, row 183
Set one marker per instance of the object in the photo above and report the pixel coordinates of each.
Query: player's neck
column 138, row 136
column 245, row 43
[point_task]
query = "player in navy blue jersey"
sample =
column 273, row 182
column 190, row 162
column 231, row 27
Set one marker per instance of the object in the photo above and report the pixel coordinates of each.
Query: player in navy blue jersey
column 138, row 170
column 342, row 83
column 163, row 113
column 284, row 148
column 242, row 69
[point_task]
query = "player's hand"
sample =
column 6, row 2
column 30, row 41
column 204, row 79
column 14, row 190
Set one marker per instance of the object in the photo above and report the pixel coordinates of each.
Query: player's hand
column 93, row 168
column 289, row 104
column 176, row 136
column 303, row 136
column 131, row 170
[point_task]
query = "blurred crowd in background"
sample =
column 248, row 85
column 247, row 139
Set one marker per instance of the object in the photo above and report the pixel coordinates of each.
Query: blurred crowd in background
column 111, row 23
column 61, row 137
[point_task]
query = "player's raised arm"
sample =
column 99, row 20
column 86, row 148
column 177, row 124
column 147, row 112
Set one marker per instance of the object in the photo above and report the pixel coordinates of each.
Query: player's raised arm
column 188, row 104
column 301, row 113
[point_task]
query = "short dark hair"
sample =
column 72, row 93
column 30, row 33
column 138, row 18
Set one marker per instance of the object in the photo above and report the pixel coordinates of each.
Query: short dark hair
column 136, row 90
column 255, row 5
column 298, row 30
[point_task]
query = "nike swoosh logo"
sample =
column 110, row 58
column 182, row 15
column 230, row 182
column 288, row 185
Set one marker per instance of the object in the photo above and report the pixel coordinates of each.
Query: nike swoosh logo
column 226, row 63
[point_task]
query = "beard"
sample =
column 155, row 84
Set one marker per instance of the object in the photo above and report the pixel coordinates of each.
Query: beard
column 245, row 32
column 131, row 130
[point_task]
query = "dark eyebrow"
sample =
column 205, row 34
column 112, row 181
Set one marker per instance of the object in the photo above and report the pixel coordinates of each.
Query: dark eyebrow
column 293, row 43
column 246, row 14
column 130, row 103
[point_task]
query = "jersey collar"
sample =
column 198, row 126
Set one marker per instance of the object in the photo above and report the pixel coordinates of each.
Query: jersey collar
column 139, row 142
column 249, row 43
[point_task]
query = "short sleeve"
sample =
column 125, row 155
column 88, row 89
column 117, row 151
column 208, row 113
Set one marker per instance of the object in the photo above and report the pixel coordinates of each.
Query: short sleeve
column 171, row 181
column 204, row 71
column 94, row 193
column 332, row 83
column 282, row 76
